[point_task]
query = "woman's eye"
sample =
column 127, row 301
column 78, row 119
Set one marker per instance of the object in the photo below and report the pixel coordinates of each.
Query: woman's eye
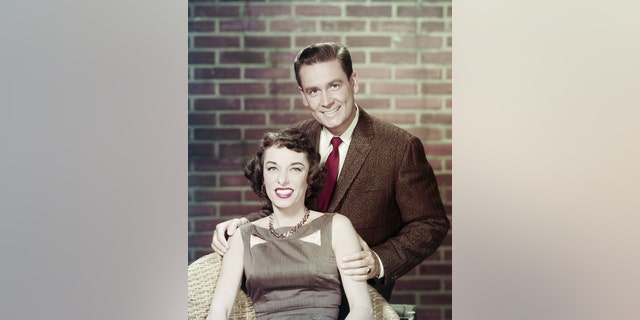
column 296, row 169
column 271, row 168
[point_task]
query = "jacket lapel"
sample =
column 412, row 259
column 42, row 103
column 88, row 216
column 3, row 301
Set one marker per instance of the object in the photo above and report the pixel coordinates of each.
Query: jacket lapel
column 358, row 151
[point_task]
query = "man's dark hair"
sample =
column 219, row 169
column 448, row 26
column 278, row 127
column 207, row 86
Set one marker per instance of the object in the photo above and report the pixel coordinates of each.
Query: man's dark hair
column 323, row 52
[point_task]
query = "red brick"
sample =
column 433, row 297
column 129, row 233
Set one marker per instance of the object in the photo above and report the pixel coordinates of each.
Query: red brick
column 199, row 240
column 267, row 42
column 253, row 10
column 418, row 103
column 268, row 73
column 284, row 58
column 418, row 285
column 303, row 41
column 374, row 103
column 444, row 180
column 242, row 57
column 436, row 58
column 368, row 11
column 207, row 225
column 235, row 180
column 419, row 42
column 418, row 73
column 436, row 88
column 449, row 42
column 201, row 88
column 288, row 118
column 203, row 180
column 217, row 195
column 257, row 134
column 237, row 210
column 243, row 119
column 217, row 73
column 216, row 165
column 203, row 26
column 393, row 26
column 448, row 164
column 216, row 104
column 239, row 149
column 432, row 26
column 200, row 149
column 250, row 196
column 448, row 103
column 216, row 42
column 201, row 57
column 419, row 12
column 436, row 118
column 241, row 88
column 283, row 88
column 394, row 57
column 396, row 118
column 428, row 313
column 437, row 298
column 403, row 298
column 293, row 26
column 242, row 25
column 215, row 11
column 315, row 11
column 216, row 134
column 201, row 210
column 368, row 41
column 343, row 25
column 393, row 88
column 266, row 104
column 195, row 119
column 426, row 133
column 373, row 73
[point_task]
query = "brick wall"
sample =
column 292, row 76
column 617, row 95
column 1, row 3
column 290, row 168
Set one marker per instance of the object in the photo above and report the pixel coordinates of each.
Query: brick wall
column 241, row 84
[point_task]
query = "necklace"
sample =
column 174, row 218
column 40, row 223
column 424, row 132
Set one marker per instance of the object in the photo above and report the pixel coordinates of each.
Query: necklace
column 293, row 230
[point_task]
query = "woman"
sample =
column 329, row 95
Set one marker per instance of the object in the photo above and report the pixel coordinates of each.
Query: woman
column 290, row 257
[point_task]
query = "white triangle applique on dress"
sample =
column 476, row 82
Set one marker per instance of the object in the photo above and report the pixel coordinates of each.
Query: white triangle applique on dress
column 255, row 240
column 314, row 238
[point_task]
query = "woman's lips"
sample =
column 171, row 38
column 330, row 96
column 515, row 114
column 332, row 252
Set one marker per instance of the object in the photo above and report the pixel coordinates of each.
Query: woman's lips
column 284, row 193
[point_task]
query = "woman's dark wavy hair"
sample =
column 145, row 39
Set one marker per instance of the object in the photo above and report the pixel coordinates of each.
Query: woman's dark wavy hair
column 294, row 140
column 323, row 52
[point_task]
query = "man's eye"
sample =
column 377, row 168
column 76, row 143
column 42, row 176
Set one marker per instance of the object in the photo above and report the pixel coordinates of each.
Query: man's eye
column 313, row 92
column 335, row 86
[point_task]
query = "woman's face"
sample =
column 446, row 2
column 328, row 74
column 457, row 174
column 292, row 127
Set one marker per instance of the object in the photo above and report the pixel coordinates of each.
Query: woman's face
column 285, row 176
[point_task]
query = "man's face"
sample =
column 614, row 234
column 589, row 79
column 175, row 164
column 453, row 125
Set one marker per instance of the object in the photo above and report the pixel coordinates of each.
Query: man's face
column 328, row 94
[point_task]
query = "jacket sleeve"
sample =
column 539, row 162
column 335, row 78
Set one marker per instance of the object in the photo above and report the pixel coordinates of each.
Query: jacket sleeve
column 422, row 212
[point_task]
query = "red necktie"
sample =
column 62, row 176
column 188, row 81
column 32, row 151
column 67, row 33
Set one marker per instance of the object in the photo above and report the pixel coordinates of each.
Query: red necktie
column 332, row 175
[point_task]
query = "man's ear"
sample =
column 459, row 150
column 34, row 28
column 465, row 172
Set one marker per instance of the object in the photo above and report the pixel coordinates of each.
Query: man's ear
column 353, row 81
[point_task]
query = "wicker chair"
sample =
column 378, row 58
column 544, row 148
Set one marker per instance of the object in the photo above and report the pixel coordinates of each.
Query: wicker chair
column 203, row 275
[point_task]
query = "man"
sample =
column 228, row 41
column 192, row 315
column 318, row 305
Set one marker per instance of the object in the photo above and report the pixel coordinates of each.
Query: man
column 385, row 185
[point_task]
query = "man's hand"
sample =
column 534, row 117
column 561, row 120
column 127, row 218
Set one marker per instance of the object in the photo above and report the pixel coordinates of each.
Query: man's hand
column 361, row 265
column 222, row 232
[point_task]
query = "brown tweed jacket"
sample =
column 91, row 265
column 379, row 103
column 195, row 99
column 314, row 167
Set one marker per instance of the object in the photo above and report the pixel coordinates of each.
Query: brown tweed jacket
column 389, row 192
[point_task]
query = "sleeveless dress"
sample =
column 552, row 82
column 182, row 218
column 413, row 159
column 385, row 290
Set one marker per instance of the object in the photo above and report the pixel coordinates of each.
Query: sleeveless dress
column 294, row 277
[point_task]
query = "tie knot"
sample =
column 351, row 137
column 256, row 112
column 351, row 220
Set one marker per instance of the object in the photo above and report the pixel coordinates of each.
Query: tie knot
column 336, row 141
